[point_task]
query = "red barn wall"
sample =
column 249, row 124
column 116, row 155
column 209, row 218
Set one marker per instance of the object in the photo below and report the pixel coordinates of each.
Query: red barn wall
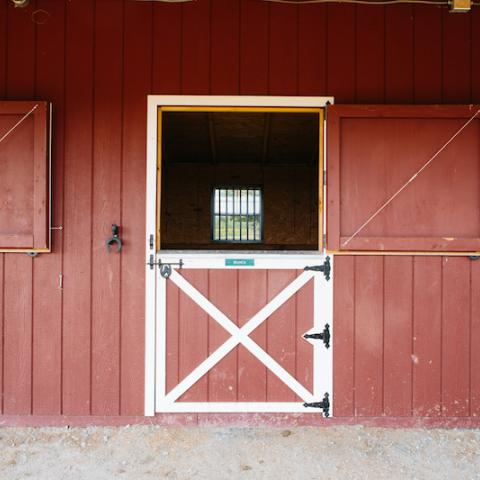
column 72, row 322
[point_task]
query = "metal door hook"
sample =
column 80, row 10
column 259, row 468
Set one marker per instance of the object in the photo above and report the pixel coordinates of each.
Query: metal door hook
column 114, row 239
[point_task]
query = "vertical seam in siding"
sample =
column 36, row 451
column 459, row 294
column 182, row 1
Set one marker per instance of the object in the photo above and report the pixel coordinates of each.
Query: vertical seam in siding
column 152, row 46
column 383, row 333
column 209, row 296
column 238, row 346
column 209, row 85
column 295, row 330
column 62, row 252
column 470, row 340
column 2, row 319
column 266, row 333
column 355, row 55
column 412, row 333
column 297, row 66
column 32, row 333
column 471, row 58
column 120, row 276
column 180, row 66
column 32, row 278
column 239, row 59
column 384, row 55
column 354, row 333
column 442, row 74
column 441, row 332
column 412, row 56
column 177, row 321
column 269, row 46
column 5, row 70
column 326, row 51
column 92, row 198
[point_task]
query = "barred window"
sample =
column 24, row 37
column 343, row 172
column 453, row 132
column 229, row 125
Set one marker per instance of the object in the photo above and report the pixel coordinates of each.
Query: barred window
column 237, row 214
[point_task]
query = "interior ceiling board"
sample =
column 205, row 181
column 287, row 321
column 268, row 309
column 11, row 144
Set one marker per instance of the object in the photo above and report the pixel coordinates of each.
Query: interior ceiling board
column 240, row 137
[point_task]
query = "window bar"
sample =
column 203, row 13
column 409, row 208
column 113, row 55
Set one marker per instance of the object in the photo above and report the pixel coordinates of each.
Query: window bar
column 219, row 218
column 254, row 192
column 248, row 214
column 240, row 210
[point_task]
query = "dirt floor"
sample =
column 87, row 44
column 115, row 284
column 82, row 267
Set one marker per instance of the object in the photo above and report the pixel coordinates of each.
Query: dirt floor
column 149, row 452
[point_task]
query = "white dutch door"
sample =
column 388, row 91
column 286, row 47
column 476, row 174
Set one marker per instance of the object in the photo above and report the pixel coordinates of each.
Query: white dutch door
column 244, row 333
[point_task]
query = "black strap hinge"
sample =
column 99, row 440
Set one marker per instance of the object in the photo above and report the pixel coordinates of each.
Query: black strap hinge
column 325, row 268
column 325, row 335
column 324, row 405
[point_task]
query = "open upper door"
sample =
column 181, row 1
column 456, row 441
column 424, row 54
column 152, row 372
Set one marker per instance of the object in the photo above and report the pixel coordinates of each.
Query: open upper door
column 403, row 178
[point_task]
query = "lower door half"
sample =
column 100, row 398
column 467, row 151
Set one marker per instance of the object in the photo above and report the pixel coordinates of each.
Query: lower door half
column 232, row 338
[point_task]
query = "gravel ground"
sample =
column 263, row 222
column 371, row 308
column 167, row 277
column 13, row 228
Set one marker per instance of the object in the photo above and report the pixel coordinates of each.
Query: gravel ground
column 149, row 452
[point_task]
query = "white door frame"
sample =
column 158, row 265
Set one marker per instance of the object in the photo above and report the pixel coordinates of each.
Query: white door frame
column 154, row 102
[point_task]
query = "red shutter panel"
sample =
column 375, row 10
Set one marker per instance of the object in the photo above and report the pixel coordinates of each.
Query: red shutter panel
column 24, row 176
column 375, row 151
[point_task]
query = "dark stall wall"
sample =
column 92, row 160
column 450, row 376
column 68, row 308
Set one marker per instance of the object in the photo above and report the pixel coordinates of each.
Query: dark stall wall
column 290, row 213
column 72, row 322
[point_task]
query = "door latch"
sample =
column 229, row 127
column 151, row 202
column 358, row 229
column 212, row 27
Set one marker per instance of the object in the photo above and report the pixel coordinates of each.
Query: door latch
column 325, row 268
column 324, row 405
column 325, row 335
column 165, row 268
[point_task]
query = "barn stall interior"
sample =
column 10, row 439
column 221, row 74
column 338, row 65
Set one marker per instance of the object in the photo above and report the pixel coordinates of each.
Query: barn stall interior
column 226, row 107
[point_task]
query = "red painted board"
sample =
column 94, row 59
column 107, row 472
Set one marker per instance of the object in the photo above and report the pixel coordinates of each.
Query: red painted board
column 225, row 47
column 344, row 336
column 456, row 337
column 427, row 336
column 17, row 269
column 283, row 51
column 281, row 333
column 47, row 292
column 312, row 50
column 370, row 54
column 369, row 336
column 2, row 319
column 475, row 80
column 427, row 54
column 77, row 293
column 398, row 308
column 20, row 53
column 475, row 339
column 223, row 293
column 254, row 41
column 304, row 322
column 17, row 339
column 196, row 48
column 457, row 58
column 106, row 201
column 137, row 85
column 399, row 41
column 167, row 48
column 341, row 46
column 193, row 335
column 3, row 47
column 172, row 324
column 252, row 296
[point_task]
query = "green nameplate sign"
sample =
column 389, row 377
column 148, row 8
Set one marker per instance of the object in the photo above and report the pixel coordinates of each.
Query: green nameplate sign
column 239, row 262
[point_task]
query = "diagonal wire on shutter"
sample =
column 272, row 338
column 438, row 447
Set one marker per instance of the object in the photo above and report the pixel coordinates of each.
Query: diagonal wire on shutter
column 18, row 123
column 408, row 182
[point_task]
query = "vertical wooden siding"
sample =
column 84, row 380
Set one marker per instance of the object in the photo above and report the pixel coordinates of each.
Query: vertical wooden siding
column 404, row 326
